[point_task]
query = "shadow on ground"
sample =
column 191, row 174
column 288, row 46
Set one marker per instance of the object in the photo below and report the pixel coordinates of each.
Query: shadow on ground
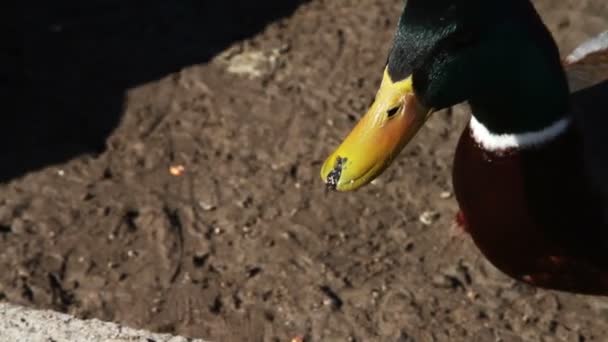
column 65, row 66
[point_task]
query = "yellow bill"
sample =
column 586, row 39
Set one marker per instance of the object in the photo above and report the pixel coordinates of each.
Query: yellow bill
column 390, row 123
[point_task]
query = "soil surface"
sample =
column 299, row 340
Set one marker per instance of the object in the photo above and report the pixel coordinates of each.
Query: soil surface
column 160, row 169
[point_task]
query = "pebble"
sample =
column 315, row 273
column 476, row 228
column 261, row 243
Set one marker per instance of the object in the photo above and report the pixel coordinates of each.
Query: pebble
column 206, row 206
column 177, row 170
column 429, row 217
column 444, row 281
column 331, row 298
column 441, row 280
column 18, row 226
column 445, row 195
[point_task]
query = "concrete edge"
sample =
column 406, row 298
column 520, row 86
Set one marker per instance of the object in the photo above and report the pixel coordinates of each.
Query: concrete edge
column 22, row 324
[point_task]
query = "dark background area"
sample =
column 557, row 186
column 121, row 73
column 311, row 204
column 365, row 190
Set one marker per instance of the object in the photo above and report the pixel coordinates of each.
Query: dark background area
column 65, row 66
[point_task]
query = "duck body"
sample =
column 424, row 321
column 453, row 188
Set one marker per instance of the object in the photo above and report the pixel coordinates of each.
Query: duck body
column 530, row 171
column 538, row 210
column 533, row 212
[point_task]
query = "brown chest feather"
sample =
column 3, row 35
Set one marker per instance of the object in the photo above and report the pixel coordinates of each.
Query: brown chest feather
column 533, row 214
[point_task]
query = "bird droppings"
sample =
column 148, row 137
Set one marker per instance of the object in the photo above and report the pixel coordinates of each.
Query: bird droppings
column 334, row 176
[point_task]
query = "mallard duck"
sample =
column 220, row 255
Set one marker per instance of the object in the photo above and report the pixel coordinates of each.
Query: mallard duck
column 530, row 171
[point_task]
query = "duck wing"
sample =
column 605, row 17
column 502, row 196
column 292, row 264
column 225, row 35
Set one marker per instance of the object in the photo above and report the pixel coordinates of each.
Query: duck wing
column 587, row 71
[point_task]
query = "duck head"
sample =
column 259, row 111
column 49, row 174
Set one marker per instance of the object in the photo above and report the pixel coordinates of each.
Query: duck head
column 497, row 55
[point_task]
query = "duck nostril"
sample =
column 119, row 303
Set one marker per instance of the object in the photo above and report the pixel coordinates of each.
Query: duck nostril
column 391, row 112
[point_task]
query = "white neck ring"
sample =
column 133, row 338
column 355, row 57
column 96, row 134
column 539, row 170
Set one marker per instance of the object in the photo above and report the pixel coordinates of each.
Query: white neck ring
column 499, row 142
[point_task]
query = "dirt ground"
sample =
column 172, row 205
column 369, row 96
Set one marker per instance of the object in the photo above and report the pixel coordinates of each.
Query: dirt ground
column 160, row 169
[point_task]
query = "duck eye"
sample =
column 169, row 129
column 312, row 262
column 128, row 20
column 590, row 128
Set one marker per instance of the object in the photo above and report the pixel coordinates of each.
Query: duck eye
column 391, row 112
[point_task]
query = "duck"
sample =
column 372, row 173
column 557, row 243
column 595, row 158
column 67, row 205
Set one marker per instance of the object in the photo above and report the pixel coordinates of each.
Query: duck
column 530, row 169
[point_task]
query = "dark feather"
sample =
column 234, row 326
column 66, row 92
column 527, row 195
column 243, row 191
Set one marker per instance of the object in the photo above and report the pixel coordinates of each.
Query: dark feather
column 587, row 71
